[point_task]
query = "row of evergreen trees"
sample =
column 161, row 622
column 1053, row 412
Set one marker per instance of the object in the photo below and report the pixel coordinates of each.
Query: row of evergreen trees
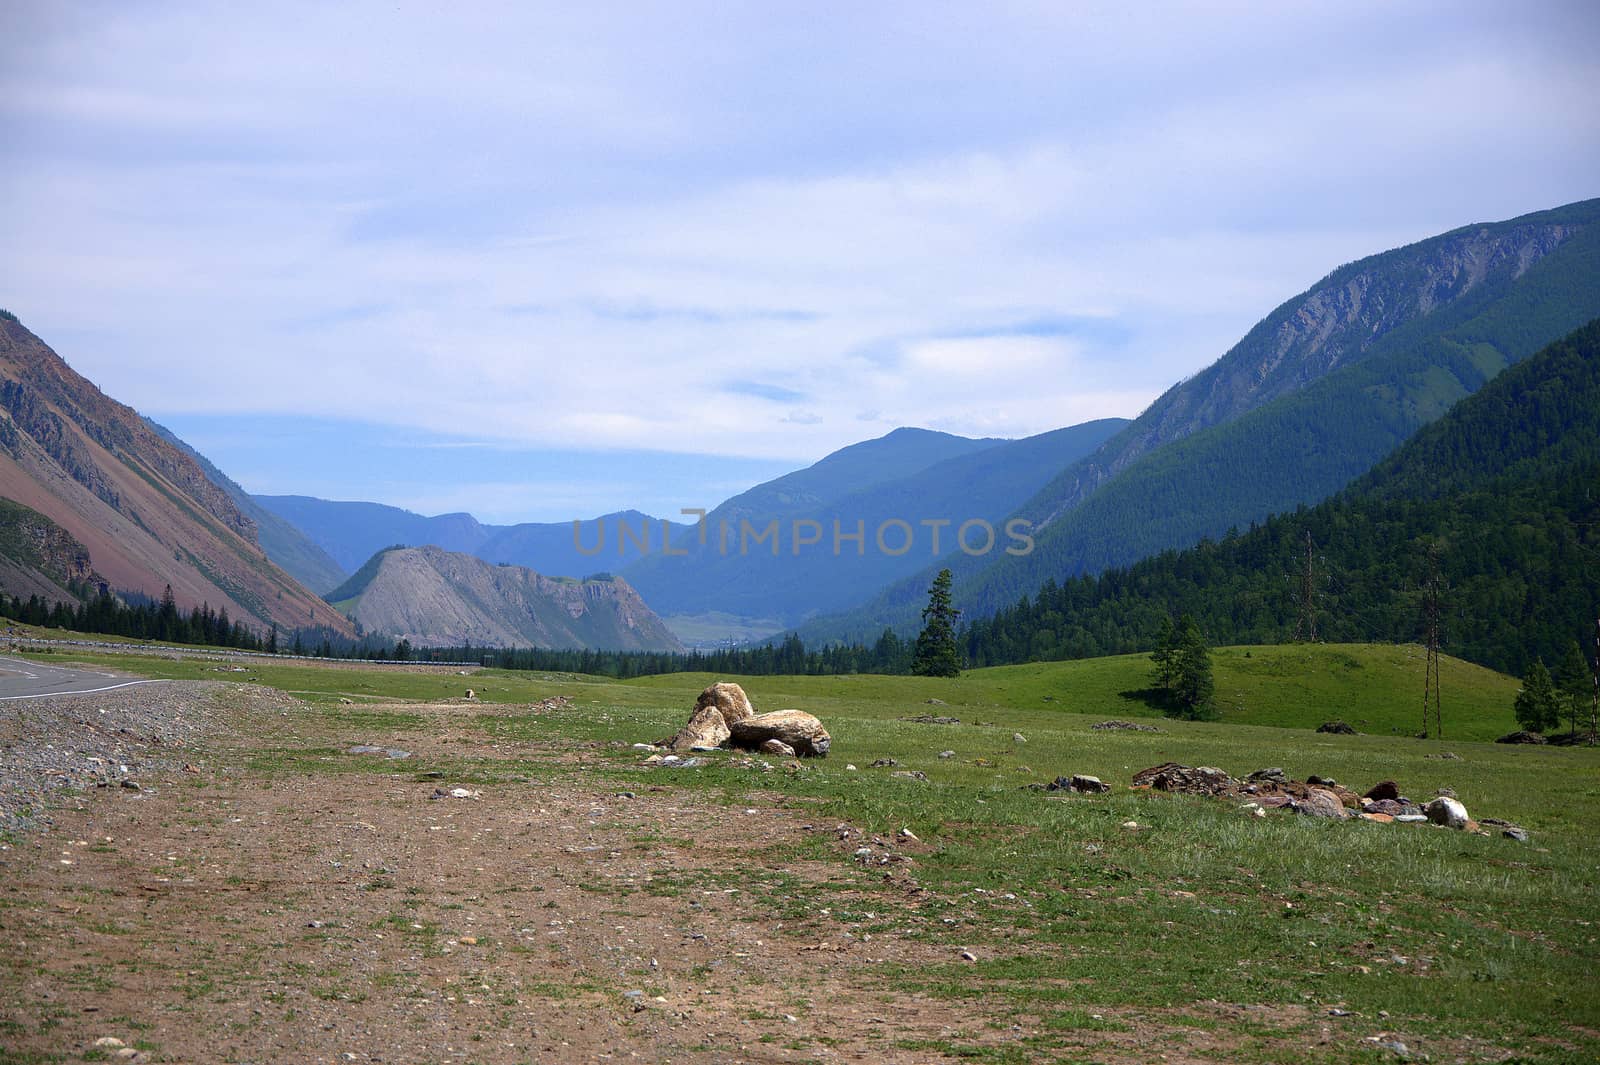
column 1546, row 699
column 101, row 612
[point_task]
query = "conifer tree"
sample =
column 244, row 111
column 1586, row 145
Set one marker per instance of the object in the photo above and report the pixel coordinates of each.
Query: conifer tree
column 936, row 654
column 1537, row 708
column 1193, row 688
column 1573, row 684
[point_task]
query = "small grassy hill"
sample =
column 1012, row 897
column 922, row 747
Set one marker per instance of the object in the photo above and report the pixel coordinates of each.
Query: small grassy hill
column 1376, row 688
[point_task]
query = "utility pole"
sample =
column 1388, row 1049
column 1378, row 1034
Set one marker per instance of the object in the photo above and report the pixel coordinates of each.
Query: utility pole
column 1432, row 719
column 1594, row 707
column 1305, row 630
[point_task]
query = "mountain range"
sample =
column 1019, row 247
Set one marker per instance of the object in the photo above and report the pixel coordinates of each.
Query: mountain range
column 1313, row 397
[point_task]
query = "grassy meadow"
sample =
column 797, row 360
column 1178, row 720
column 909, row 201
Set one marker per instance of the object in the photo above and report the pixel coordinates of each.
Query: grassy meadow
column 1350, row 935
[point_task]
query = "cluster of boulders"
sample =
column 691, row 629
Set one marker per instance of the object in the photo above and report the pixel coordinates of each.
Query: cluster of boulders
column 1271, row 789
column 723, row 717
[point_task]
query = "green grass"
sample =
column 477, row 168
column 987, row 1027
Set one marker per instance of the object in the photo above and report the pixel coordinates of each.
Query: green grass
column 1377, row 688
column 1454, row 935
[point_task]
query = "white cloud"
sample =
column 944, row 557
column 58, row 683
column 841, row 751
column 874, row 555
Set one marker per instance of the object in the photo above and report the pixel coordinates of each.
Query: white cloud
column 552, row 227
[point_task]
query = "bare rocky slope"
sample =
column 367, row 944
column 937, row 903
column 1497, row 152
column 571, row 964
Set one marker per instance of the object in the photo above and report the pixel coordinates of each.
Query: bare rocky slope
column 440, row 598
column 146, row 513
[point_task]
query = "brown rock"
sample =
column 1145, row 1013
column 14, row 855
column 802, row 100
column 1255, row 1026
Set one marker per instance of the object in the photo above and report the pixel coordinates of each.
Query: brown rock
column 729, row 699
column 779, row 748
column 1382, row 819
column 798, row 729
column 1320, row 802
column 1387, row 789
column 705, row 729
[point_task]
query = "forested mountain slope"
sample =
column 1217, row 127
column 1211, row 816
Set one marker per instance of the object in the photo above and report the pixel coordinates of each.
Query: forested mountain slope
column 1312, row 397
column 1506, row 485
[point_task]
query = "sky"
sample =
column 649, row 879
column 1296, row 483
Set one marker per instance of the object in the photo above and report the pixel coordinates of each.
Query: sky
column 541, row 261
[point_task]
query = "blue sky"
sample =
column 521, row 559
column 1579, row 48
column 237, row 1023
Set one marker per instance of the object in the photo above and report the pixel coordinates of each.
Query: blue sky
column 648, row 254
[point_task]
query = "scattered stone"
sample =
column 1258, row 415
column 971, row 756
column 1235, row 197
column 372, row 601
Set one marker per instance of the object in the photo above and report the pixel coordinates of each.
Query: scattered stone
column 469, row 941
column 455, row 793
column 1448, row 793
column 1254, row 809
column 109, row 1042
column 1132, row 826
column 1384, row 790
column 1513, row 832
column 930, row 719
column 1017, row 737
column 1321, row 782
column 1337, row 728
column 883, row 763
column 800, row 730
column 1447, row 812
column 1127, row 726
column 968, row 956
column 777, row 747
column 1522, row 736
column 1410, row 819
column 911, row 774
column 1080, row 783
column 388, row 752
column 1445, row 756
column 1399, row 1048
column 1382, row 819
column 850, row 766
column 937, row 702
column 947, row 754
column 907, row 834
column 1320, row 802
column 1267, row 776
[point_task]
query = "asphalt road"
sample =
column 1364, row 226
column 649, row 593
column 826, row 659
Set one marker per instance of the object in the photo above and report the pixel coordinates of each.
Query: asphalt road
column 21, row 679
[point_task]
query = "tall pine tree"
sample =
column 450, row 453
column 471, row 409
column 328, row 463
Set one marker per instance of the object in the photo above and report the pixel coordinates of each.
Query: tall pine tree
column 936, row 654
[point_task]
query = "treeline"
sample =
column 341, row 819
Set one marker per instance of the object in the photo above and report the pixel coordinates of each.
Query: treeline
column 103, row 613
column 789, row 656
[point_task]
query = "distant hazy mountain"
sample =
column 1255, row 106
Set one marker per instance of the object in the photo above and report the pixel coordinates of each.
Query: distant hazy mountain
column 435, row 597
column 553, row 547
column 351, row 532
column 974, row 480
column 1313, row 396
column 1507, row 484
column 284, row 543
column 142, row 508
